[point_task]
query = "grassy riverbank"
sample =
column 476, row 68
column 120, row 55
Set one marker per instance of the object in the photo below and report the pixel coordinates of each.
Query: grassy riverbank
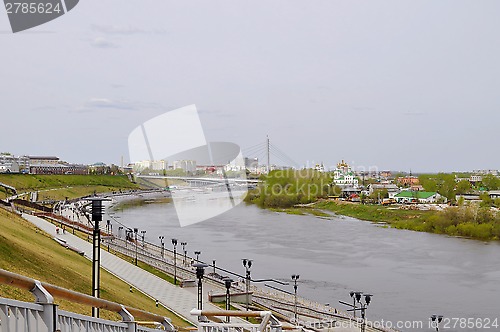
column 474, row 222
column 58, row 187
column 28, row 251
column 137, row 202
column 283, row 191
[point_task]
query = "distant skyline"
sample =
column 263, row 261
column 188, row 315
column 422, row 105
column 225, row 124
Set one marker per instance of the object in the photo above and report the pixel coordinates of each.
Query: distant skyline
column 396, row 84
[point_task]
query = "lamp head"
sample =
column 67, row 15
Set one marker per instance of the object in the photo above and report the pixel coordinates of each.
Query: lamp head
column 174, row 242
column 368, row 298
column 358, row 296
column 200, row 269
column 228, row 282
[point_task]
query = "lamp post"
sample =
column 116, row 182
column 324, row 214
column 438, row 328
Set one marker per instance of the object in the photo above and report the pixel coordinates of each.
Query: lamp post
column 436, row 319
column 135, row 237
column 174, row 243
column 97, row 212
column 247, row 263
column 184, row 244
column 357, row 298
column 227, row 283
column 200, row 271
column 197, row 253
column 295, row 278
column 143, row 233
column 161, row 237
column 355, row 295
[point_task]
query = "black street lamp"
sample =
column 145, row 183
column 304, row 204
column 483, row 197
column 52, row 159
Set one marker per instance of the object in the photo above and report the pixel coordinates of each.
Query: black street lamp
column 200, row 272
column 161, row 237
column 247, row 263
column 135, row 237
column 295, row 278
column 143, row 233
column 197, row 253
column 436, row 319
column 174, row 243
column 97, row 212
column 184, row 244
column 357, row 296
column 227, row 283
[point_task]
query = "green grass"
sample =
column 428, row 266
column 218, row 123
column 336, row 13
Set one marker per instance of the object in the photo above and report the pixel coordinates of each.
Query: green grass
column 28, row 251
column 302, row 211
column 71, row 186
column 375, row 213
column 141, row 202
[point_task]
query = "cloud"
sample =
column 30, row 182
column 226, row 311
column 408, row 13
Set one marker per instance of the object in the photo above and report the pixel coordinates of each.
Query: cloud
column 101, row 42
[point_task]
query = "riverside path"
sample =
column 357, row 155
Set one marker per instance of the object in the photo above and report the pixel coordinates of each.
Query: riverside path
column 178, row 300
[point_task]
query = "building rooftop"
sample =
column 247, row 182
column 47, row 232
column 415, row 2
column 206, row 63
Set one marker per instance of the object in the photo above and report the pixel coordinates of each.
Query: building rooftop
column 416, row 194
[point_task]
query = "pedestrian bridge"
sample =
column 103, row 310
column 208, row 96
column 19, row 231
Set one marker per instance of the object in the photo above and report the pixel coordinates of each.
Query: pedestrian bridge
column 202, row 180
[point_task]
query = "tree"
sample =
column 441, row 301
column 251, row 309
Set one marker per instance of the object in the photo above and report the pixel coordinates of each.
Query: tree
column 486, row 200
column 491, row 182
column 383, row 194
column 463, row 187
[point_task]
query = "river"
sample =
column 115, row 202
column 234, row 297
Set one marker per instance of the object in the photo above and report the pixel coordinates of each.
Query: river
column 411, row 275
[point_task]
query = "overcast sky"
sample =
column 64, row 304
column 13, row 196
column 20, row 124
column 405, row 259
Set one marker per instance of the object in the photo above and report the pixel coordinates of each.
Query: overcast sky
column 393, row 84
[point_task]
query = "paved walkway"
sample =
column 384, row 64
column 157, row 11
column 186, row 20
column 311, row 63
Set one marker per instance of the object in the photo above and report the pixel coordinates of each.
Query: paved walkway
column 181, row 301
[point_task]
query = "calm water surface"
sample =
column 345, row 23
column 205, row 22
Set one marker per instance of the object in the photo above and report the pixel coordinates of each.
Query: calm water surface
column 412, row 275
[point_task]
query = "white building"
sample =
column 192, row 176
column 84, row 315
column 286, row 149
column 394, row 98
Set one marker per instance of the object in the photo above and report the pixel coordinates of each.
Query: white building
column 154, row 165
column 476, row 178
column 343, row 176
column 408, row 196
column 189, row 166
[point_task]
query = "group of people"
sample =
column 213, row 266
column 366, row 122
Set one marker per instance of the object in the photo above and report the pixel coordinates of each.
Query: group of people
column 63, row 230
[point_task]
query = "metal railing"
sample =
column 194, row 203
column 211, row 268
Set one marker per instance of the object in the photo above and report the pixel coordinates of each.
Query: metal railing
column 280, row 302
column 269, row 323
column 43, row 315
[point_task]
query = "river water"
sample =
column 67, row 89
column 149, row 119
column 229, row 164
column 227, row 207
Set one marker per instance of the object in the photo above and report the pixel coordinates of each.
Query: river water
column 411, row 275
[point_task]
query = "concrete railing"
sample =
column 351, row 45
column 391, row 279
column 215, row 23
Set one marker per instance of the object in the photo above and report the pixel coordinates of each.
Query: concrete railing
column 43, row 315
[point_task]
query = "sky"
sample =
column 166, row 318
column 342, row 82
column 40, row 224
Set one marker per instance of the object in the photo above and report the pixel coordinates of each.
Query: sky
column 394, row 85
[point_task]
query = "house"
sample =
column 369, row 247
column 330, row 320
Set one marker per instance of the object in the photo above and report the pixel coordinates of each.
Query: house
column 391, row 188
column 408, row 196
column 475, row 178
column 408, row 180
column 59, row 169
